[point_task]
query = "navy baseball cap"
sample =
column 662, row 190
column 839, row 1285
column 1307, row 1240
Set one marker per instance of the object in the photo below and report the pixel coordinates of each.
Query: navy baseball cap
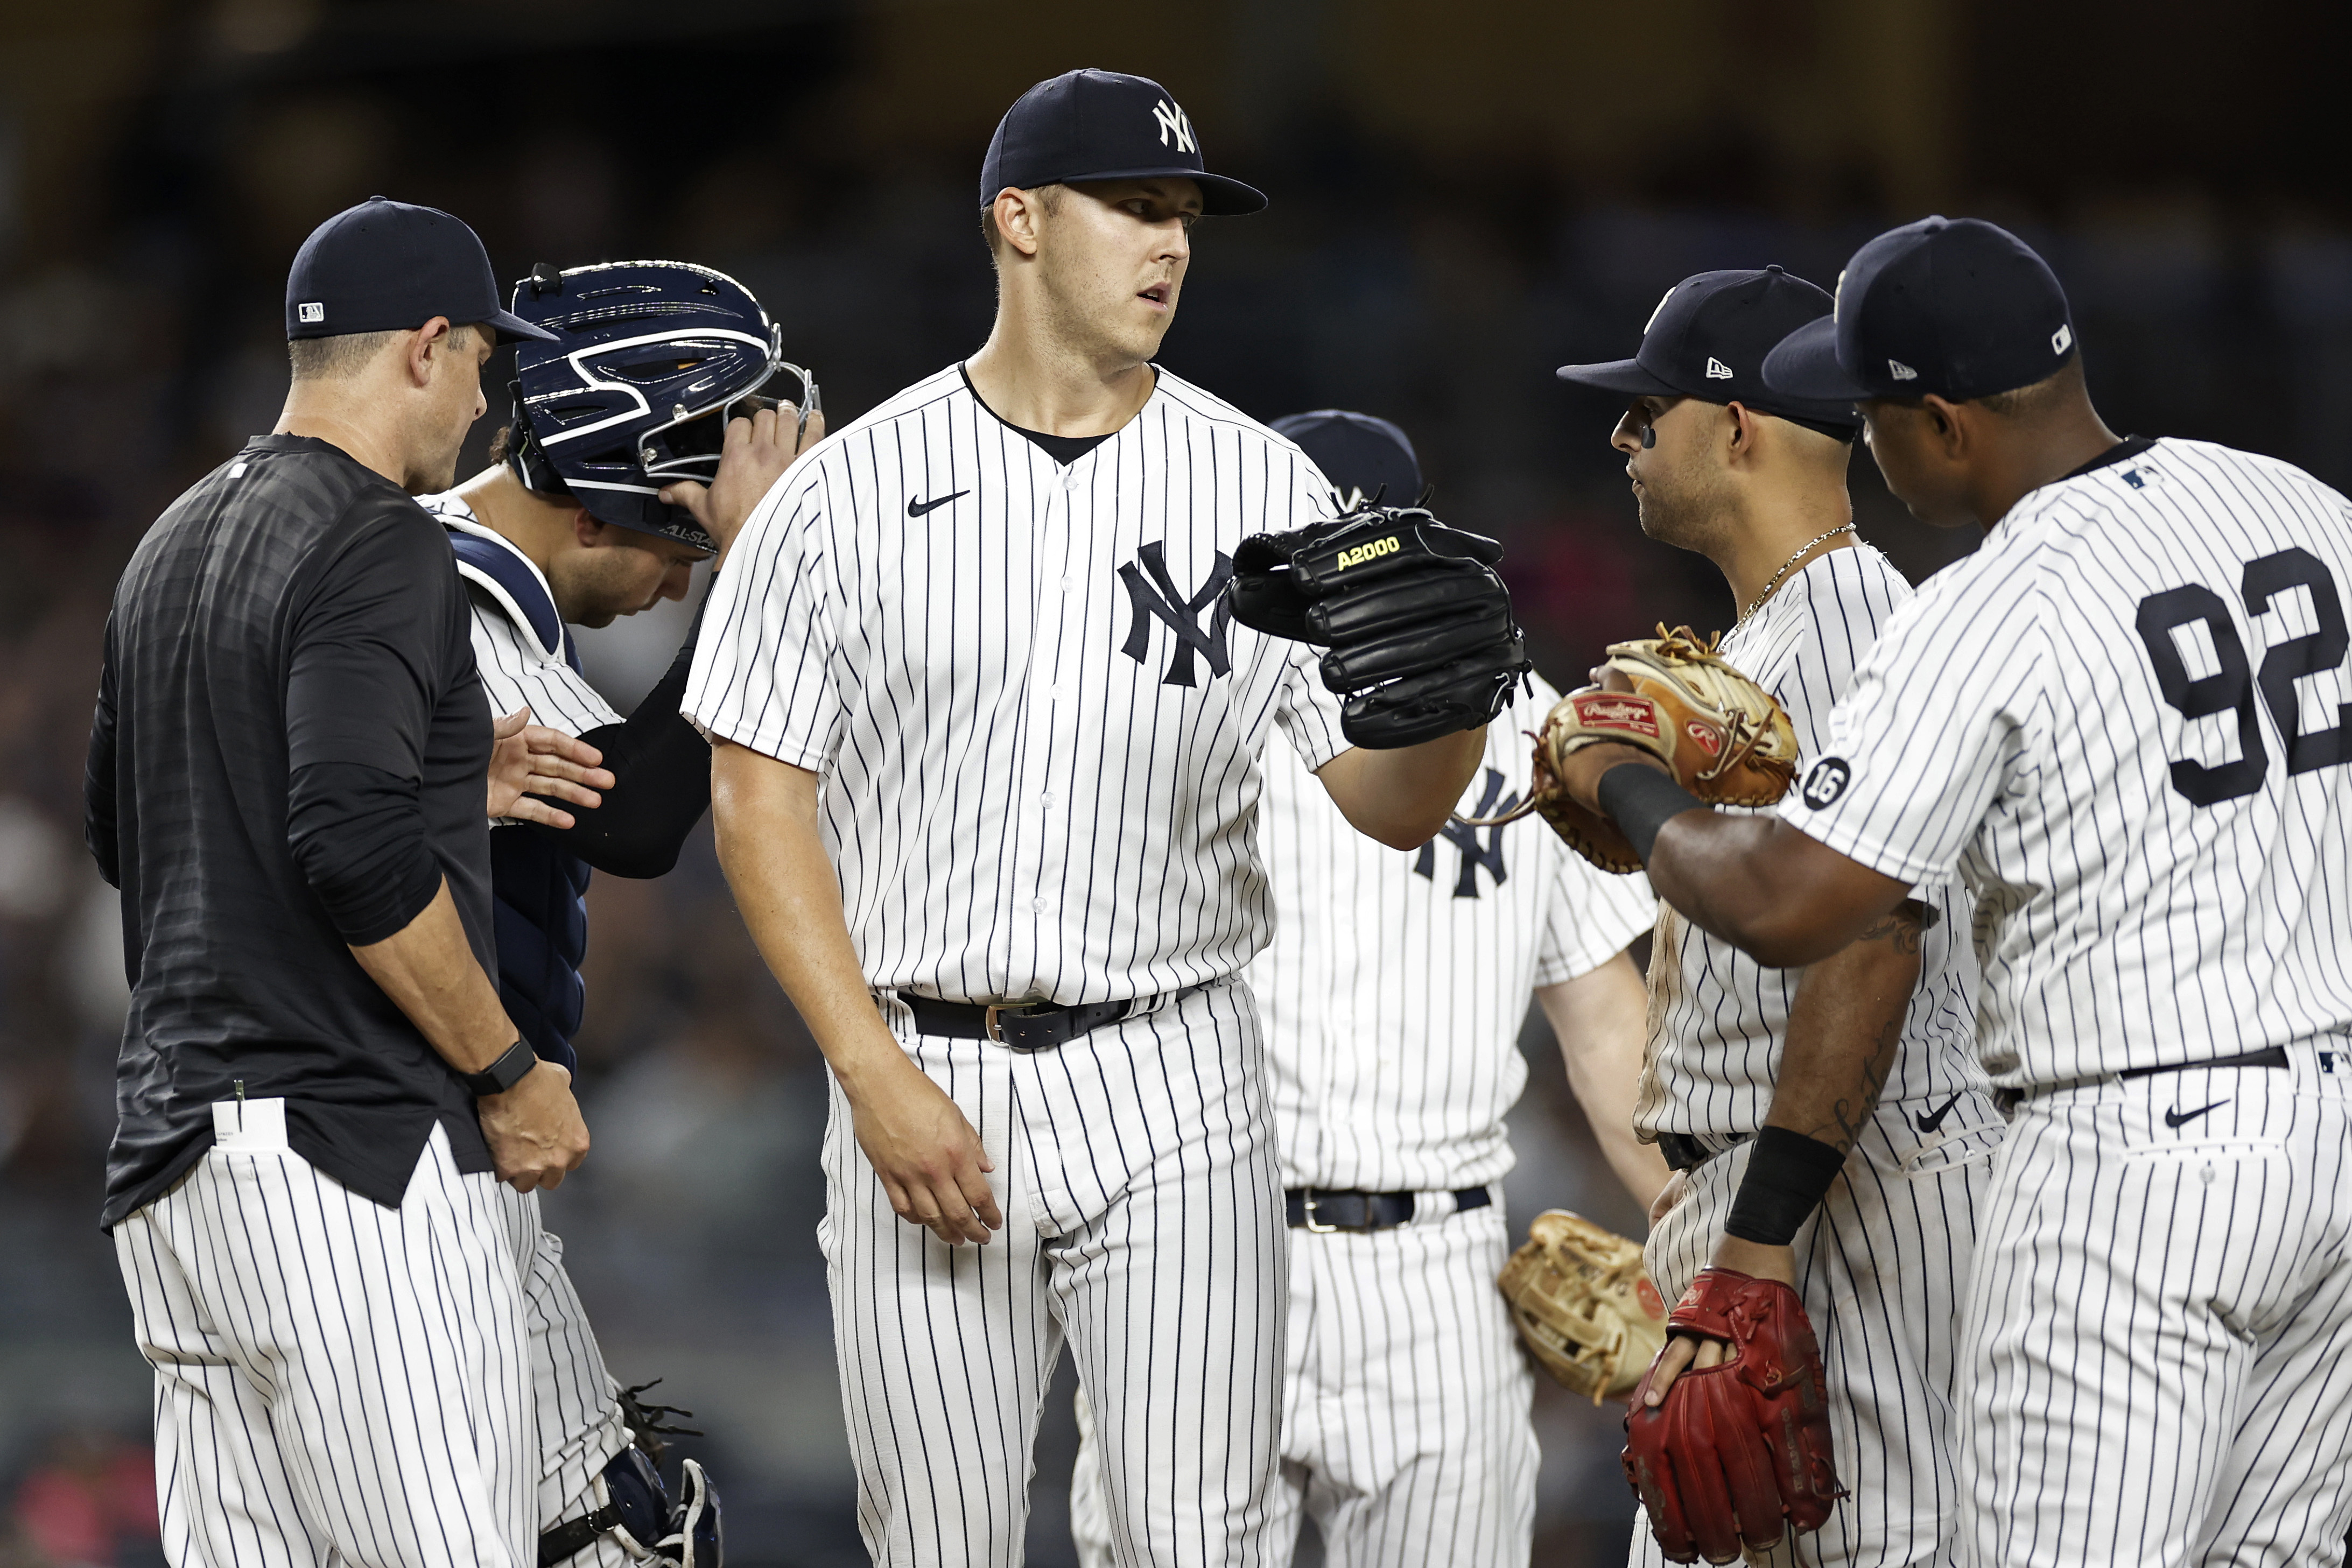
column 1707, row 340
column 387, row 267
column 1956, row 307
column 1356, row 452
column 1103, row 125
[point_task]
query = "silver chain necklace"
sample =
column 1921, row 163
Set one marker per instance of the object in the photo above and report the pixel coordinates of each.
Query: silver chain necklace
column 1757, row 602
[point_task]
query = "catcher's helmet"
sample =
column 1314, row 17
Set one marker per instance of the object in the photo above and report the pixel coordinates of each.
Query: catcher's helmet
column 634, row 392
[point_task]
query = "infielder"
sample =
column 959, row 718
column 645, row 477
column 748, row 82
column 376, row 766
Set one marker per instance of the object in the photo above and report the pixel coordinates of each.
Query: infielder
column 986, row 769
column 1392, row 1051
column 570, row 526
column 2123, row 723
column 1880, row 1037
column 317, row 1082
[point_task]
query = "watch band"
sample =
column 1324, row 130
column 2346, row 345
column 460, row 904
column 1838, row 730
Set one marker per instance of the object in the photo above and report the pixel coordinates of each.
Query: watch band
column 504, row 1073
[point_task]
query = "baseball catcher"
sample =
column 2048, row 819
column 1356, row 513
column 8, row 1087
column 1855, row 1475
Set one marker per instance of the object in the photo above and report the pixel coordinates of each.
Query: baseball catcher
column 1724, row 736
column 1422, row 640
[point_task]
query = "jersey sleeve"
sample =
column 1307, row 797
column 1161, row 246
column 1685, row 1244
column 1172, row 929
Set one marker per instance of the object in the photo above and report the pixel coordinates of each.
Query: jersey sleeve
column 762, row 671
column 1309, row 711
column 1938, row 723
column 1592, row 917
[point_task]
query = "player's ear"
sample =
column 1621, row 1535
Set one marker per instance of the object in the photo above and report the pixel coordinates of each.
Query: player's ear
column 1017, row 215
column 1948, row 428
column 1739, row 431
column 586, row 529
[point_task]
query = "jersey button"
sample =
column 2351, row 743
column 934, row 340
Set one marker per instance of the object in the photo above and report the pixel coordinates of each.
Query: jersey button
column 1041, row 904
column 1046, row 799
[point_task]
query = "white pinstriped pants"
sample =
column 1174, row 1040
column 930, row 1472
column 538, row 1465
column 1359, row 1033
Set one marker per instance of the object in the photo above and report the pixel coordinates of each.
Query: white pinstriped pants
column 341, row 1383
column 1143, row 1221
column 1406, row 1402
column 1883, row 1268
column 2158, row 1355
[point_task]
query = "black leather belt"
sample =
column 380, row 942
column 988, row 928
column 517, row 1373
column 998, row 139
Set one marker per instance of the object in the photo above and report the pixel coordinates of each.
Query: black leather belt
column 2008, row 1100
column 1685, row 1152
column 1037, row 1028
column 1322, row 1209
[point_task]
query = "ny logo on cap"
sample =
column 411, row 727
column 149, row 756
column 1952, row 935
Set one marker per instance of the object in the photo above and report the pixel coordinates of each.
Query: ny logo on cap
column 1716, row 370
column 1902, row 372
column 1172, row 118
column 311, row 310
column 1653, row 321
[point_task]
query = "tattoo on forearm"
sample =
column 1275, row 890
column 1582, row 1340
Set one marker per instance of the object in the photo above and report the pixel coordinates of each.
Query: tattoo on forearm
column 1904, row 924
column 1848, row 1116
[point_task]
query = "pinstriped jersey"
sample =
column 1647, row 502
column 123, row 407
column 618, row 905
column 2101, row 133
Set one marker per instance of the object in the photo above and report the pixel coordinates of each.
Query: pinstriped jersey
column 520, row 642
column 1718, row 1018
column 2124, row 724
column 1397, row 980
column 1037, row 724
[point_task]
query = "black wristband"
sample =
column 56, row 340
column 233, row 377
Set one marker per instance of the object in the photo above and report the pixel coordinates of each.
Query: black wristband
column 1786, row 1179
column 1638, row 798
column 502, row 1074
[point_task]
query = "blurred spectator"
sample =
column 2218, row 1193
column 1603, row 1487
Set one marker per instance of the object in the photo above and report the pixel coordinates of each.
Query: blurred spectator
column 90, row 1503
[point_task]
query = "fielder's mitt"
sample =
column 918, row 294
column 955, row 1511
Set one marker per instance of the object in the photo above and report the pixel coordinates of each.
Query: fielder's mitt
column 1737, row 1454
column 1584, row 1305
column 1419, row 627
column 1727, row 739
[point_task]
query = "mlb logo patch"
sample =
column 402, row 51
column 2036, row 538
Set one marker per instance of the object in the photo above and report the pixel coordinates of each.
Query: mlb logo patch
column 311, row 310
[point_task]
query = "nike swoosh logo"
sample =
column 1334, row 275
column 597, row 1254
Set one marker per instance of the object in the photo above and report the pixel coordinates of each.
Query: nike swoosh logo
column 1928, row 1121
column 917, row 509
column 2175, row 1118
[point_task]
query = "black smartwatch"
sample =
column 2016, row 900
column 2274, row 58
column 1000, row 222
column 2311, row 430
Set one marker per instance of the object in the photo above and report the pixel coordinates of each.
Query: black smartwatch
column 502, row 1074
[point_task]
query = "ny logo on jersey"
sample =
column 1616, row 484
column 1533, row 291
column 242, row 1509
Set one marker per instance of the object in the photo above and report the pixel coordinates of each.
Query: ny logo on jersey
column 1172, row 119
column 1161, row 598
column 1493, row 802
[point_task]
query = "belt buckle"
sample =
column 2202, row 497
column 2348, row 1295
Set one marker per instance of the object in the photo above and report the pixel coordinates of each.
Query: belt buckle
column 996, row 1011
column 1317, row 1227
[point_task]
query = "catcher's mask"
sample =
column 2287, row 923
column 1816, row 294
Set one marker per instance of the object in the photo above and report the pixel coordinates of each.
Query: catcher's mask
column 649, row 359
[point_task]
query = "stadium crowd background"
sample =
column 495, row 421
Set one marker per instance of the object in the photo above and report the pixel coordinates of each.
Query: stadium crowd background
column 1464, row 198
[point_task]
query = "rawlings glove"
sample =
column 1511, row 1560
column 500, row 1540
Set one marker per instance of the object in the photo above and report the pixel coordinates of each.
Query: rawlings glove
column 1725, row 737
column 1584, row 1305
column 1739, row 1454
column 1419, row 627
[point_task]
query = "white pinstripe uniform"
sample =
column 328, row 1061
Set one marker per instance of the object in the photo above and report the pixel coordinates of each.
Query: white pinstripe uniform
column 1884, row 1264
column 2122, row 722
column 335, row 1381
column 1038, row 734
column 575, row 1398
column 1392, row 1038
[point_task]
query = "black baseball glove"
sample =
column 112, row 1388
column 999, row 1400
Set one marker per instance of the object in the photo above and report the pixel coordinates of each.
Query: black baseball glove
column 1419, row 627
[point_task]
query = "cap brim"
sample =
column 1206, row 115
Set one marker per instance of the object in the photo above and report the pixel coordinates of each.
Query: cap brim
column 1623, row 376
column 511, row 325
column 1220, row 197
column 1804, row 364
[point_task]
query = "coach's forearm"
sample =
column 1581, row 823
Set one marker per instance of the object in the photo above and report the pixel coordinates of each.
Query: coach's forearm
column 428, row 969
column 1844, row 1028
column 765, row 816
column 1402, row 797
column 1782, row 898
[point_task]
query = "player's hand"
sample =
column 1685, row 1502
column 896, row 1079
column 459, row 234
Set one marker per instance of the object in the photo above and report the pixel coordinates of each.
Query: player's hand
column 754, row 455
column 931, row 1161
column 1677, row 1188
column 1579, row 772
column 534, row 1129
column 528, row 759
column 1683, row 1351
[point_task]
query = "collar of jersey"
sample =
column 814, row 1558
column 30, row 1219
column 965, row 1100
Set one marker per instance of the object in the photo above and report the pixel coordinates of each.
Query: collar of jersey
column 490, row 559
column 1158, row 375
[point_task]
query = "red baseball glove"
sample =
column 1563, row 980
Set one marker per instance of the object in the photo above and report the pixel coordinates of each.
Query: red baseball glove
column 1737, row 1454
